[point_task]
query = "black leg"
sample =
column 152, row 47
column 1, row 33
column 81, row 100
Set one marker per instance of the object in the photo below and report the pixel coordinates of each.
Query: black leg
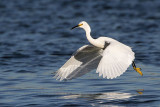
column 133, row 64
column 137, row 69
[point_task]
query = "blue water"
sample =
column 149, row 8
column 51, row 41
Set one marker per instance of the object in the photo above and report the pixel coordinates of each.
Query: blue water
column 35, row 40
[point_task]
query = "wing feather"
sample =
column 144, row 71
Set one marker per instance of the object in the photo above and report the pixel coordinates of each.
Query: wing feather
column 111, row 63
column 81, row 62
column 117, row 57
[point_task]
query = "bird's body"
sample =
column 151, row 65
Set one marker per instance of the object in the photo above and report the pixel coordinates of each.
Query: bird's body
column 109, row 56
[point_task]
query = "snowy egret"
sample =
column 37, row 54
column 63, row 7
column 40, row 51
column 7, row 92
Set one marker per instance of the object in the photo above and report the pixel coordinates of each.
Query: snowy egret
column 110, row 57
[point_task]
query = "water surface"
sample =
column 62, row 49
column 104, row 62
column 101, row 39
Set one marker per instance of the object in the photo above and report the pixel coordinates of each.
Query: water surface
column 35, row 40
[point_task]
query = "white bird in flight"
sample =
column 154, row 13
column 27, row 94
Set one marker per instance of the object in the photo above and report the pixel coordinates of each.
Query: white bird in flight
column 110, row 57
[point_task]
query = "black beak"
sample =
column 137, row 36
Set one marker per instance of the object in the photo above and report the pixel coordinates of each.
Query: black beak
column 74, row 27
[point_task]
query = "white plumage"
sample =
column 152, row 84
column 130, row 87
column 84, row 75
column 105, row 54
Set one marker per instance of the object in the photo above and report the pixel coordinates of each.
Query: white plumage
column 110, row 57
column 116, row 59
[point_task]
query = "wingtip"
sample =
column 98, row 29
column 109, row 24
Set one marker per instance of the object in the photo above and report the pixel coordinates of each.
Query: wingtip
column 58, row 78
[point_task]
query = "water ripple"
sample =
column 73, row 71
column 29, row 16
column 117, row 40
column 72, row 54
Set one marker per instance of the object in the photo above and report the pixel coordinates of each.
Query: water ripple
column 35, row 40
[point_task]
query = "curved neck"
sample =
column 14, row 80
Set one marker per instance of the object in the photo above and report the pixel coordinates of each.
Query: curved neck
column 91, row 40
column 89, row 37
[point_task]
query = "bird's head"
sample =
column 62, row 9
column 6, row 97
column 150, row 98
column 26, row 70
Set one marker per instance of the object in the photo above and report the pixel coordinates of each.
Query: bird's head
column 83, row 25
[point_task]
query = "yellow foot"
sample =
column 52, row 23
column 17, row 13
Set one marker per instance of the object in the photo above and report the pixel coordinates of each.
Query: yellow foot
column 138, row 70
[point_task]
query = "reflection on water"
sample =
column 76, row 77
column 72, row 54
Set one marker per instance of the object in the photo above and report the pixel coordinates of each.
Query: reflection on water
column 104, row 96
column 140, row 91
column 35, row 40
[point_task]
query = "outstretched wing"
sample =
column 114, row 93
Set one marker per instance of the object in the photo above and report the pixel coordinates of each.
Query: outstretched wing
column 81, row 62
column 117, row 57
